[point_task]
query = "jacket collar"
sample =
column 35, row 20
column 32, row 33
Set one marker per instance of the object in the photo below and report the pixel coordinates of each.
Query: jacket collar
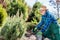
column 46, row 13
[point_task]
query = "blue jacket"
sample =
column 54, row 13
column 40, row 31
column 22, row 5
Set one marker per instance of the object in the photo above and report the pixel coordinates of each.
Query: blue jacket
column 47, row 19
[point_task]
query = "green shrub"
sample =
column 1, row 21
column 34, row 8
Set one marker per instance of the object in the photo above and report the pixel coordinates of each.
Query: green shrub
column 36, row 11
column 16, row 5
column 14, row 28
column 34, row 16
column 3, row 15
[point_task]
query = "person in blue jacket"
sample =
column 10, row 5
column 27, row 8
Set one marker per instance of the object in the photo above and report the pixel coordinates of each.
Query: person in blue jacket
column 48, row 25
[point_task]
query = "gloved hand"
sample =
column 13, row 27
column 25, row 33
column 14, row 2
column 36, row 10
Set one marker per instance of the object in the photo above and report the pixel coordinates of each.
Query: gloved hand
column 35, row 30
column 39, row 33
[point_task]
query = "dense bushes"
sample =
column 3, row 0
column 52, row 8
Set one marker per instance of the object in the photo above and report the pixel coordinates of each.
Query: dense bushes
column 35, row 14
column 16, row 25
column 14, row 28
column 14, row 5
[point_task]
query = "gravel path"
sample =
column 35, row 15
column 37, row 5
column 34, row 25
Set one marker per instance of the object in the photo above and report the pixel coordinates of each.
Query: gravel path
column 32, row 37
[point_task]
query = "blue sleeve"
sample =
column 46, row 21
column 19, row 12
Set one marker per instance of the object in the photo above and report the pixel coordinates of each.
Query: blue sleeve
column 49, row 19
column 46, row 25
column 40, row 24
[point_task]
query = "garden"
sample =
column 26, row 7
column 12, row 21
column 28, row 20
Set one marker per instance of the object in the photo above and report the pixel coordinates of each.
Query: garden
column 16, row 17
